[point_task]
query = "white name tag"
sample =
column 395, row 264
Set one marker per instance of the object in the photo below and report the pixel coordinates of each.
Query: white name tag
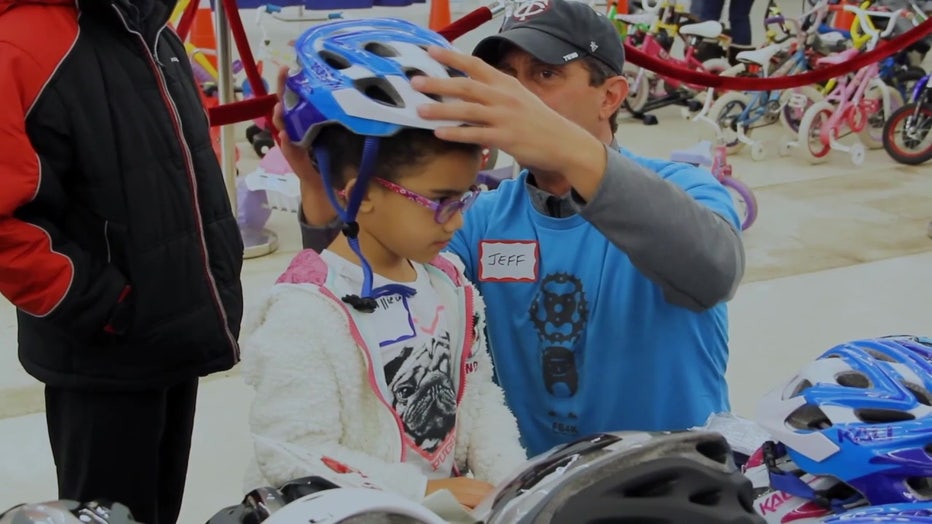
column 508, row 260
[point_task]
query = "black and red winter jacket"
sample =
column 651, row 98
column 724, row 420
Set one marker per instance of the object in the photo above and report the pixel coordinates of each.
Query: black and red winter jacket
column 118, row 245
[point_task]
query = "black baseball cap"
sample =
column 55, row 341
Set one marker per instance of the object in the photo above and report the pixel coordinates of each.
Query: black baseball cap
column 556, row 32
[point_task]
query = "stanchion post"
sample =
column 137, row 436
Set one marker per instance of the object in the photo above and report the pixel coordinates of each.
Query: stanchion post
column 256, row 242
column 225, row 93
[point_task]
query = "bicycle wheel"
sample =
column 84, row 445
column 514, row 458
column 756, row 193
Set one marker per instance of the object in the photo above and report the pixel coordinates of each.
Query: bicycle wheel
column 793, row 105
column 745, row 201
column 911, row 146
column 726, row 113
column 810, row 131
column 884, row 96
column 639, row 90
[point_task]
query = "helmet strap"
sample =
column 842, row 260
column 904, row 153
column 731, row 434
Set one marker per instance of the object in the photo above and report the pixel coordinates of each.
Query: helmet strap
column 365, row 301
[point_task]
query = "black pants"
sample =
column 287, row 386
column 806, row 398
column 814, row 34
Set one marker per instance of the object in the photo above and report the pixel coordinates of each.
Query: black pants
column 127, row 447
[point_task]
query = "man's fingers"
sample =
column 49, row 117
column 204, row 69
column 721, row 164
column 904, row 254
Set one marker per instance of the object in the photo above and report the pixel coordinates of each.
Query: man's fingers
column 469, row 135
column 460, row 87
column 282, row 76
column 458, row 110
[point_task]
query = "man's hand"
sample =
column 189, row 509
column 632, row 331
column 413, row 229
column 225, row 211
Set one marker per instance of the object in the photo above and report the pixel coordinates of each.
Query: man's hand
column 469, row 492
column 314, row 202
column 504, row 114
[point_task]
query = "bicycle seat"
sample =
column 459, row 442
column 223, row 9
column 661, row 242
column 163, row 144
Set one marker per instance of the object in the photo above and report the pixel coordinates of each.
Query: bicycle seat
column 708, row 29
column 838, row 58
column 637, row 18
column 760, row 57
column 833, row 37
column 698, row 155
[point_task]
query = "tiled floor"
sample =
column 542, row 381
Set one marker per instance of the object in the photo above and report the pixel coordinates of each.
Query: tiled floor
column 837, row 253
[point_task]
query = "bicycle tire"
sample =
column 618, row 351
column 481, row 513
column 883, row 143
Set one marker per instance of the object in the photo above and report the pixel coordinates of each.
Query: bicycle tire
column 750, row 201
column 788, row 115
column 890, row 131
column 871, row 135
column 804, row 135
column 637, row 100
column 717, row 113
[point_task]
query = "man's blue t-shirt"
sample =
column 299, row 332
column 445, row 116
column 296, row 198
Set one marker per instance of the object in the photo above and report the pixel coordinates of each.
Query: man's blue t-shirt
column 582, row 341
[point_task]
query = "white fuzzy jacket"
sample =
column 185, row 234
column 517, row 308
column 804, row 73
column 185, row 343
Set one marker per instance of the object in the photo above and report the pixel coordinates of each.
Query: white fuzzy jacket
column 316, row 409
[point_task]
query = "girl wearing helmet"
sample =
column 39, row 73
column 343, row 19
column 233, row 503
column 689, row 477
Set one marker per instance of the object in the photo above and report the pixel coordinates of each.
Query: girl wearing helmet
column 369, row 360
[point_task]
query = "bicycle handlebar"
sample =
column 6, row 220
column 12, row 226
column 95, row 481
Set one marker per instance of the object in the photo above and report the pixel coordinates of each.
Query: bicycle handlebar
column 867, row 26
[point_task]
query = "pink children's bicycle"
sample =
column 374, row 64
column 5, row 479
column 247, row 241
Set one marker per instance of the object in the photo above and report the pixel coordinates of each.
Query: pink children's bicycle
column 860, row 105
column 649, row 91
column 716, row 159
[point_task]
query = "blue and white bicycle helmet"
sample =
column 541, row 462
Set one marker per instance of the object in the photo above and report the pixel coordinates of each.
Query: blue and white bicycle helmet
column 356, row 73
column 860, row 413
column 916, row 512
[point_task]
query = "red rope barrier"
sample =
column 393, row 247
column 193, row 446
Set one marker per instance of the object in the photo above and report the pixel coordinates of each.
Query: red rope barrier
column 883, row 50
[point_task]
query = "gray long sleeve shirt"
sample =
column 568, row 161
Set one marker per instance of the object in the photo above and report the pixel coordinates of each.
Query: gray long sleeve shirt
column 694, row 254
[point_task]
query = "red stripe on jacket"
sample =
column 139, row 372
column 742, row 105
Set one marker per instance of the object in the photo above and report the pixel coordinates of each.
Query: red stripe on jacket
column 35, row 39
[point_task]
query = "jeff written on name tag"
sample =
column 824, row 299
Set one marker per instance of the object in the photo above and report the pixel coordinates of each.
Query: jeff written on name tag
column 508, row 261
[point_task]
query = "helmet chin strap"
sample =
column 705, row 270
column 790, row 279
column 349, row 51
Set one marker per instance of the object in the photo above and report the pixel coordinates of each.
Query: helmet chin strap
column 366, row 300
column 790, row 482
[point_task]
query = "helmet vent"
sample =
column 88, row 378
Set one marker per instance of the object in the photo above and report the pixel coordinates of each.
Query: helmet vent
column 706, row 498
column 879, row 355
column 853, row 379
column 921, row 486
column 381, row 49
column 653, row 486
column 412, row 72
column 381, row 91
column 802, row 386
column 454, row 73
column 922, row 395
column 334, row 60
column 717, row 450
column 808, row 417
column 882, row 416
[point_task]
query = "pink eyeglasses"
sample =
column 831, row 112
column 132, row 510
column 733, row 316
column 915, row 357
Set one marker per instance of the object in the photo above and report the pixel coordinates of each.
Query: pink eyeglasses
column 443, row 210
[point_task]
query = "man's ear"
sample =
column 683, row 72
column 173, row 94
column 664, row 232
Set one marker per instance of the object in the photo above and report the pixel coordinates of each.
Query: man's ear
column 615, row 92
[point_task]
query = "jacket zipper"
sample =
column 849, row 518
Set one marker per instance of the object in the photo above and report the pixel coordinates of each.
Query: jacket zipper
column 107, row 238
column 189, row 169
column 370, row 373
column 468, row 342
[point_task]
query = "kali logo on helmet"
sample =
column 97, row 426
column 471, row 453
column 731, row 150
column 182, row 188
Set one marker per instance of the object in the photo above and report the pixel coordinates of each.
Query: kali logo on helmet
column 859, row 435
column 772, row 502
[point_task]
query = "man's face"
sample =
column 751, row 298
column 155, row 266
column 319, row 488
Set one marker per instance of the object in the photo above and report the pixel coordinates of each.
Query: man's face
column 564, row 88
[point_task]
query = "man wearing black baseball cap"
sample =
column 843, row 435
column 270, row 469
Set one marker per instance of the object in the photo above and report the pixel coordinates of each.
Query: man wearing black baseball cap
column 556, row 32
column 605, row 274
